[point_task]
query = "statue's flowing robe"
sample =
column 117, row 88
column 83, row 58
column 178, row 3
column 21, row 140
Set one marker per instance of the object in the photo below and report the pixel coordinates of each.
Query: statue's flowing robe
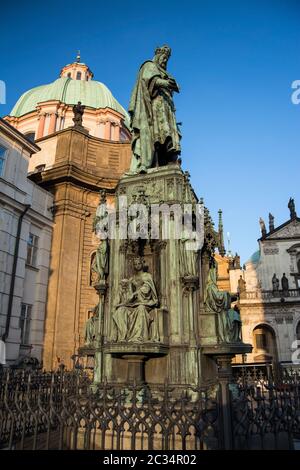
column 90, row 330
column 133, row 319
column 152, row 117
column 100, row 263
column 219, row 302
column 235, row 325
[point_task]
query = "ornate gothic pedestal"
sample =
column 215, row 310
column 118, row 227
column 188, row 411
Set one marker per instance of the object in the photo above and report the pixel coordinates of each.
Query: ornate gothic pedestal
column 171, row 350
column 136, row 355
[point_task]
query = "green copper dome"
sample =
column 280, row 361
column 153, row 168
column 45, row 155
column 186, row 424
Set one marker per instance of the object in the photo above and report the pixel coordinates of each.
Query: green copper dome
column 91, row 93
column 254, row 259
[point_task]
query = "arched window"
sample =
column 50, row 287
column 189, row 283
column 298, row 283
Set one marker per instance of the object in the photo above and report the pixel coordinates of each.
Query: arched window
column 69, row 75
column 78, row 76
column 30, row 136
column 264, row 342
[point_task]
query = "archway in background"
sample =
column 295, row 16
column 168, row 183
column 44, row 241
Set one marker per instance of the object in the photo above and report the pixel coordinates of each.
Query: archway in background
column 264, row 342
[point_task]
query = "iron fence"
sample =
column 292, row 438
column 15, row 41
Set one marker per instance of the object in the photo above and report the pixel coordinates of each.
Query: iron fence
column 266, row 408
column 60, row 410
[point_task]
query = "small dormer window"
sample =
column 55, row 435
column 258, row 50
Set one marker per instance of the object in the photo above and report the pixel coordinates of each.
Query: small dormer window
column 30, row 136
column 78, row 76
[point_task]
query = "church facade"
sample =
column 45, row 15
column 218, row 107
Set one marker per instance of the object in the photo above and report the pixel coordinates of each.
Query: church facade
column 269, row 294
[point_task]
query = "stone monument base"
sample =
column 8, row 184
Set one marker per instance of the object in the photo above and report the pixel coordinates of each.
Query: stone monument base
column 136, row 356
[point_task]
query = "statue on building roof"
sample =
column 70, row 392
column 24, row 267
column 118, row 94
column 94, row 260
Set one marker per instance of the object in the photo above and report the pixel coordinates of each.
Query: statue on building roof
column 275, row 283
column 291, row 206
column 155, row 133
column 237, row 262
column 271, row 222
column 78, row 110
column 241, row 286
column 284, row 283
column 262, row 227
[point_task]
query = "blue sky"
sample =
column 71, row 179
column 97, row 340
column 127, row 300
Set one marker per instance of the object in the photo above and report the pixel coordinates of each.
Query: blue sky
column 235, row 62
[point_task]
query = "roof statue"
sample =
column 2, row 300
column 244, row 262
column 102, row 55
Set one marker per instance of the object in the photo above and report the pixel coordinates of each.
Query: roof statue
column 271, row 222
column 78, row 110
column 262, row 227
column 291, row 206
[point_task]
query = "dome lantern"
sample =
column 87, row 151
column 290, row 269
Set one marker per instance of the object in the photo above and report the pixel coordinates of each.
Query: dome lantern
column 77, row 70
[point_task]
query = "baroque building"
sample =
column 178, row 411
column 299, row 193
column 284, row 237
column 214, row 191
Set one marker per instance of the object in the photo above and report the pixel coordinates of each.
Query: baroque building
column 72, row 163
column 269, row 294
column 25, row 242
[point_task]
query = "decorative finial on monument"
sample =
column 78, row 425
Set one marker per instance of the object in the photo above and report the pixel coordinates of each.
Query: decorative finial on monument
column 78, row 57
column 222, row 250
column 291, row 206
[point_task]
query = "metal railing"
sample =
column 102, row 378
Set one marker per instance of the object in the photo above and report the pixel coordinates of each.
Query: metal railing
column 60, row 410
column 266, row 409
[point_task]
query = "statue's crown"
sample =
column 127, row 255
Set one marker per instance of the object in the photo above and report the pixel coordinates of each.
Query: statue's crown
column 164, row 48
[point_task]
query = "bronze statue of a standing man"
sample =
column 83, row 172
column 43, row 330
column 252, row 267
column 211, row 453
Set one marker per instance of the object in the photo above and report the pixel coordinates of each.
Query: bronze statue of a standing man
column 155, row 134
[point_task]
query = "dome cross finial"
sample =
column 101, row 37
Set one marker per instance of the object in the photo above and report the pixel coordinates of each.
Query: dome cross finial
column 78, row 57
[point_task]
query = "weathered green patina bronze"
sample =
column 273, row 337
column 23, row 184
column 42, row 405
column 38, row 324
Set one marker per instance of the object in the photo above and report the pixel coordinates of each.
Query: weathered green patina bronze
column 137, row 299
column 90, row 328
column 219, row 302
column 155, row 135
column 100, row 264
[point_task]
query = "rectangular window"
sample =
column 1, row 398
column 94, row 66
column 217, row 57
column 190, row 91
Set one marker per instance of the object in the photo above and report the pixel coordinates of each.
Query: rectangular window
column 261, row 341
column 2, row 159
column 32, row 249
column 25, row 320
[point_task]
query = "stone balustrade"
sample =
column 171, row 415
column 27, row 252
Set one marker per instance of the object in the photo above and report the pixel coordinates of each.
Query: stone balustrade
column 269, row 294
